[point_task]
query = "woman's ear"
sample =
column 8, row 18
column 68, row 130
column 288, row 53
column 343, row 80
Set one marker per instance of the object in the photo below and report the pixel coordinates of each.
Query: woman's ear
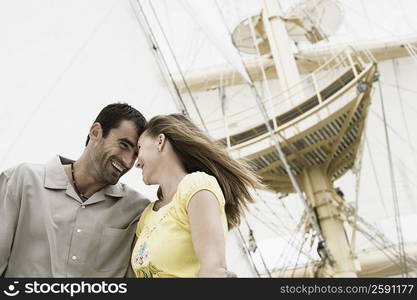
column 161, row 141
column 96, row 132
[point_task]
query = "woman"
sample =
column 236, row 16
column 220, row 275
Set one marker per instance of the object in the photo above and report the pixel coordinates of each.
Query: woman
column 202, row 194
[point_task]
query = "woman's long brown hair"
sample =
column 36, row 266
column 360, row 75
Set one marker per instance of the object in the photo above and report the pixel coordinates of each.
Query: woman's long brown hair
column 199, row 152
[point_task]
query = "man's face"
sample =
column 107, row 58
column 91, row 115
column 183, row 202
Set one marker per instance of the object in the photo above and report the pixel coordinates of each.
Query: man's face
column 115, row 154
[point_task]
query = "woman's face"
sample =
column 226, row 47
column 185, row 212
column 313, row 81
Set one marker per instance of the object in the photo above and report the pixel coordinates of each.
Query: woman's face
column 148, row 158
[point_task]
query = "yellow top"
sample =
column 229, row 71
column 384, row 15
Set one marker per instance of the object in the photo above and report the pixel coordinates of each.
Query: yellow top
column 164, row 246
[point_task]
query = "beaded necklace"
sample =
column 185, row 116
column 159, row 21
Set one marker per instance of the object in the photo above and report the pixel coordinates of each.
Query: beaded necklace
column 82, row 196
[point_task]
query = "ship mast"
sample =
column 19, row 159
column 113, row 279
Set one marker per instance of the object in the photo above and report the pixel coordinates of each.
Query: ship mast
column 280, row 44
column 315, row 182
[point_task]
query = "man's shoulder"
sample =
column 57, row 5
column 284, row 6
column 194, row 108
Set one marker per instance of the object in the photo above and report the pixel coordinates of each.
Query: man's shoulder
column 132, row 194
column 132, row 200
column 23, row 169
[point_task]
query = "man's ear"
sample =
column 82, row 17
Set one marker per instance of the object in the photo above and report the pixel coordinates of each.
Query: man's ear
column 96, row 132
column 160, row 140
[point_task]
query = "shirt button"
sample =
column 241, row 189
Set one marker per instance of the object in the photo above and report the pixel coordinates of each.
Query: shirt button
column 78, row 230
column 74, row 257
column 82, row 206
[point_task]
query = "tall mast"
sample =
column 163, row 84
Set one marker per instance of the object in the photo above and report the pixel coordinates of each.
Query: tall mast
column 280, row 44
column 315, row 181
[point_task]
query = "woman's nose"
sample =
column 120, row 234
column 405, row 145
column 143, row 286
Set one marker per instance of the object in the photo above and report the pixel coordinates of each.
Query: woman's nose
column 139, row 164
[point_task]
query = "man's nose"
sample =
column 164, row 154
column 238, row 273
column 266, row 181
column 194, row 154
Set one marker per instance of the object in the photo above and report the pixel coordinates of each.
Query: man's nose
column 129, row 160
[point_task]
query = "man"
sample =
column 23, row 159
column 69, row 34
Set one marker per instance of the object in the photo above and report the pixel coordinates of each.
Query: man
column 72, row 218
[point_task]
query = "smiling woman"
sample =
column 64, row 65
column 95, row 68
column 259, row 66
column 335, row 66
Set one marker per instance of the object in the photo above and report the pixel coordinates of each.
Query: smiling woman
column 202, row 193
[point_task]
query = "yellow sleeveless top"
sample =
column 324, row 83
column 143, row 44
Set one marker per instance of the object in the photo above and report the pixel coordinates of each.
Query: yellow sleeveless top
column 164, row 246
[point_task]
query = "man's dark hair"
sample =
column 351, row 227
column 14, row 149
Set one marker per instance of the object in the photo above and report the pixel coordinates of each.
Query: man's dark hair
column 113, row 114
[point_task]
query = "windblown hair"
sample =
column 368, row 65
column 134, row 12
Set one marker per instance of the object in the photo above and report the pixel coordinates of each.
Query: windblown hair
column 199, row 152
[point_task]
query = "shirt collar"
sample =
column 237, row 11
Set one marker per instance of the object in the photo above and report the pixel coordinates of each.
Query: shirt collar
column 55, row 178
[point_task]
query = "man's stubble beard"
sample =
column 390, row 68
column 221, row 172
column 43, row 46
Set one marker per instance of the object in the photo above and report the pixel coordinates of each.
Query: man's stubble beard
column 99, row 163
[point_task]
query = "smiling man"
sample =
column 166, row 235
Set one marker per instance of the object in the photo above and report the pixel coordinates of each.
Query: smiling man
column 72, row 218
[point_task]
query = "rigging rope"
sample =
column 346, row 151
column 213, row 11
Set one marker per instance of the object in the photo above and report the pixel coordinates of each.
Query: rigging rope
column 290, row 242
column 286, row 255
column 409, row 47
column 300, row 248
column 377, row 238
column 299, row 254
column 252, row 238
column 383, row 244
column 178, row 66
column 407, row 129
column 394, row 192
column 381, row 197
column 160, row 59
column 358, row 165
column 411, row 171
column 275, row 214
column 248, row 253
column 391, row 129
column 278, row 228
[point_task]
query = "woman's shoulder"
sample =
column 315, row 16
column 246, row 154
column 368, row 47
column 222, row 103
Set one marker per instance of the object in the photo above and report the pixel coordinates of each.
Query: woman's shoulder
column 197, row 179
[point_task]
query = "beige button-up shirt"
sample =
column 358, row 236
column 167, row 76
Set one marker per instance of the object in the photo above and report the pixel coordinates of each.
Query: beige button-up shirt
column 47, row 231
